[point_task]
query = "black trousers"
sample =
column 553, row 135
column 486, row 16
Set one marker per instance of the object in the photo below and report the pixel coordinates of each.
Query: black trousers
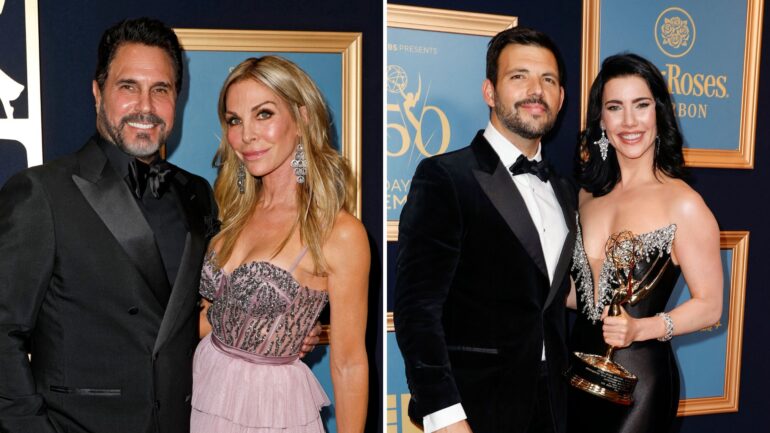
column 542, row 418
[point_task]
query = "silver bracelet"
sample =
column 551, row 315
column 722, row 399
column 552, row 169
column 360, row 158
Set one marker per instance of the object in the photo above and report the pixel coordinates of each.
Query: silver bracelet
column 669, row 326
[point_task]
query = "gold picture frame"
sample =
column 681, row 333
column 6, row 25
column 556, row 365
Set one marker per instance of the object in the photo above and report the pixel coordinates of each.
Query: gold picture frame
column 738, row 243
column 347, row 44
column 445, row 21
column 741, row 158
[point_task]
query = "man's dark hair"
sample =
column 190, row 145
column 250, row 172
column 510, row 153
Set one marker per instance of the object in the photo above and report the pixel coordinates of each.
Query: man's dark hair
column 145, row 31
column 519, row 36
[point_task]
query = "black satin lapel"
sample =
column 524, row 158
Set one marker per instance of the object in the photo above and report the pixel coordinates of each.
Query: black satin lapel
column 117, row 208
column 504, row 195
column 189, row 203
column 565, row 257
column 184, row 293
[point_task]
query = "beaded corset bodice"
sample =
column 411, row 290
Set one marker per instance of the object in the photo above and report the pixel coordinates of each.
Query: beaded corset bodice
column 259, row 308
column 653, row 261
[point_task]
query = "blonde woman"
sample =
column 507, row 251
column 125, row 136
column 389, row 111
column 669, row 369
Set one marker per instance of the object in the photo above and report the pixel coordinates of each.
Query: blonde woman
column 288, row 244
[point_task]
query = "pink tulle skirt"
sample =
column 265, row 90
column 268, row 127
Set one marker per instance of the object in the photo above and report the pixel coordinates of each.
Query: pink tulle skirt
column 235, row 395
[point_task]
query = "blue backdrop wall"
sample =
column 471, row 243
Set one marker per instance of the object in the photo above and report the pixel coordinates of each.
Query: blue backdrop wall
column 735, row 196
column 70, row 31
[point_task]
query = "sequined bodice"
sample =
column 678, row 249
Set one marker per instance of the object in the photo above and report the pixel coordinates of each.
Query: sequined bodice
column 656, row 396
column 259, row 307
column 652, row 261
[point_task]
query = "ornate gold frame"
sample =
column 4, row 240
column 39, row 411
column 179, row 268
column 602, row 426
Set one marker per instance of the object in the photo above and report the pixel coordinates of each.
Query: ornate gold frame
column 738, row 242
column 743, row 157
column 348, row 44
column 446, row 21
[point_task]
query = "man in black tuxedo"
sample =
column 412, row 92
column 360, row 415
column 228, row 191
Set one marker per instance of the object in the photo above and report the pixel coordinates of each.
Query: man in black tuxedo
column 100, row 258
column 485, row 241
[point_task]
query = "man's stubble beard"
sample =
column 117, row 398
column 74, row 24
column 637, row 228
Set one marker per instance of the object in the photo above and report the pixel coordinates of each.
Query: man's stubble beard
column 115, row 133
column 514, row 123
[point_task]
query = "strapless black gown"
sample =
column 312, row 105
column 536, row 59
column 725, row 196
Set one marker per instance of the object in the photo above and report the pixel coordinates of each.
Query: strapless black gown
column 656, row 395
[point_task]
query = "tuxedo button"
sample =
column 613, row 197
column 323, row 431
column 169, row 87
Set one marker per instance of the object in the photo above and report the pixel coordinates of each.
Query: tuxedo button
column 133, row 310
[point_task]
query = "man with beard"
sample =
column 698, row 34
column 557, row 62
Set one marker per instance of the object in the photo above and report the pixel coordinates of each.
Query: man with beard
column 100, row 258
column 485, row 240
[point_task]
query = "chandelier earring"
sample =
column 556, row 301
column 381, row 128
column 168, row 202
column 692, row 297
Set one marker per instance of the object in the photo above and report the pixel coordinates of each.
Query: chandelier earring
column 299, row 164
column 603, row 144
column 241, row 178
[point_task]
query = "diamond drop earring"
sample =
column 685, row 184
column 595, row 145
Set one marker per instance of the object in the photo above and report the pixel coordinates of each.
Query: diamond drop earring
column 299, row 163
column 603, row 144
column 241, row 178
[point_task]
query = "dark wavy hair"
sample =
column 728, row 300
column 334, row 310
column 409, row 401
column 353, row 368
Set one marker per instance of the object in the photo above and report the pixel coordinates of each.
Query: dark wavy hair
column 145, row 31
column 520, row 36
column 599, row 177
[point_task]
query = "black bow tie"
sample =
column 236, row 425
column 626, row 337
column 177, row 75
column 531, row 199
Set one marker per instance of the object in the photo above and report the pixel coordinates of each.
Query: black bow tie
column 153, row 176
column 524, row 166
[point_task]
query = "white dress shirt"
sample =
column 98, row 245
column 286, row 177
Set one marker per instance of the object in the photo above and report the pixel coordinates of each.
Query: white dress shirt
column 549, row 221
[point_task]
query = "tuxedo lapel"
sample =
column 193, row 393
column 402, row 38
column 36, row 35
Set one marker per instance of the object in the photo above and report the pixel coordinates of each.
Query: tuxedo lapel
column 111, row 199
column 184, row 292
column 567, row 208
column 501, row 191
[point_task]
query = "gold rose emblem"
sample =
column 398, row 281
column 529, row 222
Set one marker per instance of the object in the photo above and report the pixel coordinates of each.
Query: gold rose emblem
column 675, row 32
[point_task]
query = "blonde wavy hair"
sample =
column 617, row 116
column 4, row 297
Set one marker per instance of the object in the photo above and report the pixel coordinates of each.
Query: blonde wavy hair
column 328, row 186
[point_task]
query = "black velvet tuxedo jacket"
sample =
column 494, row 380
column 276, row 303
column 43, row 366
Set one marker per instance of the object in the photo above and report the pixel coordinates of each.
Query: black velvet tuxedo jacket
column 473, row 303
column 78, row 269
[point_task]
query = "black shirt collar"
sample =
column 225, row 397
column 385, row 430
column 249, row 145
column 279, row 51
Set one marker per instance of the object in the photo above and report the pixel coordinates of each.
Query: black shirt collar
column 119, row 160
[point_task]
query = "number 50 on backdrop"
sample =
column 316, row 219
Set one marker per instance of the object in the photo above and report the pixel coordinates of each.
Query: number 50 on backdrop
column 436, row 64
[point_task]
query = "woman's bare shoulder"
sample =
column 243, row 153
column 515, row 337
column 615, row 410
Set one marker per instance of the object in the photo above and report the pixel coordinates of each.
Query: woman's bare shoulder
column 682, row 200
column 584, row 195
column 347, row 228
column 347, row 240
column 684, row 206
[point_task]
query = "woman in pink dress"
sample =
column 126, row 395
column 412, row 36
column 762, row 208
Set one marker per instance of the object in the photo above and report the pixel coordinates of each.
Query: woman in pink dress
column 288, row 244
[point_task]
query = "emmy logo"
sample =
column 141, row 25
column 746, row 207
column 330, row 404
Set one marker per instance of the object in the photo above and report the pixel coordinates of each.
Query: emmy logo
column 397, row 84
column 675, row 32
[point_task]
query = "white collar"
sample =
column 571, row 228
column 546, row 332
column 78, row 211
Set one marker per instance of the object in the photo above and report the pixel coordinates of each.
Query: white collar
column 505, row 150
